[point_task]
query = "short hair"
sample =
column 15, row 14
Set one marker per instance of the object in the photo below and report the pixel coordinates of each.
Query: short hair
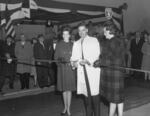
column 40, row 35
column 66, row 28
column 110, row 26
column 82, row 24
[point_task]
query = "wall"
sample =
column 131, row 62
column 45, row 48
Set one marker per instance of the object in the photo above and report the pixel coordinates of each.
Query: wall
column 30, row 31
column 137, row 16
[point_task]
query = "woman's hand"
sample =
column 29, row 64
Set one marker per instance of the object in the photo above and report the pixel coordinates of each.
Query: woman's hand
column 74, row 64
column 96, row 63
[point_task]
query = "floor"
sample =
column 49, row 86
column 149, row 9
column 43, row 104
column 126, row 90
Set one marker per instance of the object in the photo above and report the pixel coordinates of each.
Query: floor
column 143, row 110
column 48, row 103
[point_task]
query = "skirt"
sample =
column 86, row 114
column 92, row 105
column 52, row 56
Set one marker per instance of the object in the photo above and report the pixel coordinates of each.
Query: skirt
column 112, row 85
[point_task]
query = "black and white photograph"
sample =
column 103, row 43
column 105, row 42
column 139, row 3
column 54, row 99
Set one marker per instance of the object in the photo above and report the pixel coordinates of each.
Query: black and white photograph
column 74, row 57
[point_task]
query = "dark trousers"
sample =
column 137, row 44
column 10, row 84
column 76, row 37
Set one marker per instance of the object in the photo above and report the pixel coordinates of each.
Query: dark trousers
column 2, row 82
column 11, row 81
column 92, row 105
column 24, row 80
column 42, row 76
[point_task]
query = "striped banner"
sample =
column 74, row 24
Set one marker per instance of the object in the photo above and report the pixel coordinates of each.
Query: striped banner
column 61, row 13
column 12, row 12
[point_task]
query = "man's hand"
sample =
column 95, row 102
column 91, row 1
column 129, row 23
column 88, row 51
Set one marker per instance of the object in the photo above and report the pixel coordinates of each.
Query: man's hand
column 84, row 62
column 39, row 63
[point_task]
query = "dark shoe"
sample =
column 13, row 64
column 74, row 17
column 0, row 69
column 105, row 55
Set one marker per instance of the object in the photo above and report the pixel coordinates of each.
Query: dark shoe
column 63, row 113
column 27, row 87
column 1, row 92
column 22, row 88
column 11, row 86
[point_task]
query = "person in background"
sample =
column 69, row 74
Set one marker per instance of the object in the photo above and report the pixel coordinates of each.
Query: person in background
column 9, row 70
column 33, row 69
column 91, row 28
column 112, row 79
column 146, row 56
column 136, row 55
column 85, row 52
column 2, row 78
column 41, row 52
column 66, row 81
column 24, row 55
column 50, row 36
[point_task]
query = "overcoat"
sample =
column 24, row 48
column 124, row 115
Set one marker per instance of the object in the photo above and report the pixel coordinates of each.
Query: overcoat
column 24, row 54
column 91, row 51
column 9, row 68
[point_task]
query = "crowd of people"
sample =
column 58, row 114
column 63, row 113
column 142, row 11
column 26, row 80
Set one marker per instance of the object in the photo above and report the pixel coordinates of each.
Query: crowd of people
column 18, row 59
column 86, row 62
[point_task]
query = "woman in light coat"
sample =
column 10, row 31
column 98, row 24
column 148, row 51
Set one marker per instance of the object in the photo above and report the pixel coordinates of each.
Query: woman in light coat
column 24, row 54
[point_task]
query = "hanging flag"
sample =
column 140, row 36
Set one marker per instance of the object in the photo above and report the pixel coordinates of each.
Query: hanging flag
column 11, row 12
column 9, row 27
column 26, row 8
column 2, row 13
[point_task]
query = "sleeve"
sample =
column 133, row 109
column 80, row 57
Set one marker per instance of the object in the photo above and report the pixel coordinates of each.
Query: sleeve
column 95, row 52
column 35, row 51
column 13, row 51
column 16, row 50
column 56, row 53
column 74, row 53
column 31, row 50
column 144, row 48
column 51, row 50
column 3, row 50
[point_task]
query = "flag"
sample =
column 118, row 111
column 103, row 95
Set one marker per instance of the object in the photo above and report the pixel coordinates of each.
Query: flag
column 26, row 8
column 2, row 13
column 13, row 12
column 9, row 27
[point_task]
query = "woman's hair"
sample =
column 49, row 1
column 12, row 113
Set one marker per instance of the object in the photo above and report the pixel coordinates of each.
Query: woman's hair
column 110, row 26
column 66, row 28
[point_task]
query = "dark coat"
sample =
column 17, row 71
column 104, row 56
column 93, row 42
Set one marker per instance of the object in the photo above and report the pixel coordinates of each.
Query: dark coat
column 136, row 53
column 1, row 55
column 65, row 74
column 24, row 56
column 45, row 52
column 112, row 79
column 43, row 69
column 9, row 69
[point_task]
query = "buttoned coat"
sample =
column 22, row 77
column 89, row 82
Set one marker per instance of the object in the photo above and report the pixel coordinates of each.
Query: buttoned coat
column 91, row 52
column 24, row 56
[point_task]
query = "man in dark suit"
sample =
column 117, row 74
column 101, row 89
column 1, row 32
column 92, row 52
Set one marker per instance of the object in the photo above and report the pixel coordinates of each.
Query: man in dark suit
column 43, row 50
column 2, row 79
column 9, row 63
column 136, row 54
